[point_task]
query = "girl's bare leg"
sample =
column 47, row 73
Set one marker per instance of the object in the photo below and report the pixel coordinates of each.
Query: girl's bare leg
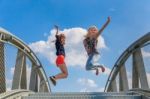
column 64, row 72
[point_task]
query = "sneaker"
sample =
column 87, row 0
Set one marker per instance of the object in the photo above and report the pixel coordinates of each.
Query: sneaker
column 97, row 72
column 103, row 69
column 52, row 79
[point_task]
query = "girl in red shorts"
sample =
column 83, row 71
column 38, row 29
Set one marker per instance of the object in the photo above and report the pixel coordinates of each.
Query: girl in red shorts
column 60, row 60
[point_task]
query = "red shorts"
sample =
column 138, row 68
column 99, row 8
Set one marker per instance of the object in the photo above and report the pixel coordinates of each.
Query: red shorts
column 60, row 60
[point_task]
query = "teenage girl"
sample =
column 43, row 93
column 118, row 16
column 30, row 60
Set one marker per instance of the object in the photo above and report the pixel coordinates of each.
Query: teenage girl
column 90, row 44
column 60, row 60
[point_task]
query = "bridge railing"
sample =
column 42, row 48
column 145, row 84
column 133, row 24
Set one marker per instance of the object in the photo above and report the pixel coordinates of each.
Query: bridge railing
column 38, row 80
column 123, row 79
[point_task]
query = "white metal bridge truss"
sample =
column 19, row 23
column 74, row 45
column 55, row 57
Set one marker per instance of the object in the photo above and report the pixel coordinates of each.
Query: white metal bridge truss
column 39, row 86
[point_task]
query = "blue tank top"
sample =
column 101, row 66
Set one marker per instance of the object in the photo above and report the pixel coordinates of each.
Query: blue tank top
column 60, row 50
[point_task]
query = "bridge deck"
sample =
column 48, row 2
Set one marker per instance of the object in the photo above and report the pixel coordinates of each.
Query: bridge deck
column 83, row 95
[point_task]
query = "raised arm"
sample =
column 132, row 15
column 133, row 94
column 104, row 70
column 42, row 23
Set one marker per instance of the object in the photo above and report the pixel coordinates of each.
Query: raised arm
column 103, row 27
column 57, row 29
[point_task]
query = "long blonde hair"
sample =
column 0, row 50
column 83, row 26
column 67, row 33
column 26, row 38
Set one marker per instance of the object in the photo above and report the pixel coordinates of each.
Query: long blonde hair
column 87, row 35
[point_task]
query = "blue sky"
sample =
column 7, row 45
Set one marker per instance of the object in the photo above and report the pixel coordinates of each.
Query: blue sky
column 32, row 21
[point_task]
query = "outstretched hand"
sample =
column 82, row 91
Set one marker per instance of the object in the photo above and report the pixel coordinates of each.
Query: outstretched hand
column 108, row 19
column 56, row 27
column 103, row 27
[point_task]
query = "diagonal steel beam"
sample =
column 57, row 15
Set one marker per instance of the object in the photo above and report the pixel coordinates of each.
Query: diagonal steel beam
column 123, row 81
column 43, row 87
column 19, row 78
column 113, row 86
column 23, row 84
column 139, row 70
column 2, row 69
column 33, row 79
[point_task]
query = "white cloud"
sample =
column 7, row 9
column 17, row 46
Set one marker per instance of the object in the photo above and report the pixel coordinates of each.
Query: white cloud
column 148, row 78
column 45, row 34
column 130, row 82
column 89, row 83
column 100, row 89
column 8, row 89
column 92, row 90
column 28, row 75
column 12, row 70
column 75, row 52
column 8, row 84
column 146, row 54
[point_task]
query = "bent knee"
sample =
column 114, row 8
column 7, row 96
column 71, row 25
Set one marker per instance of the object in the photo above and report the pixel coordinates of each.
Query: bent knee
column 66, row 74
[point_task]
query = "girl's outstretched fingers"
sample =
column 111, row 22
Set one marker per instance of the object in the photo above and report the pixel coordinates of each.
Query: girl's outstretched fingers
column 56, row 26
column 109, row 18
